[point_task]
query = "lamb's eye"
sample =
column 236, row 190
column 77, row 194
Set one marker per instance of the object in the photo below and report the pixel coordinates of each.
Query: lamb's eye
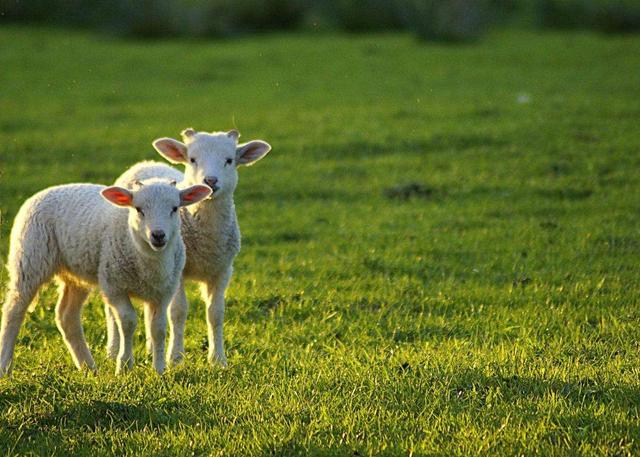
column 139, row 210
column 193, row 161
column 229, row 161
column 174, row 209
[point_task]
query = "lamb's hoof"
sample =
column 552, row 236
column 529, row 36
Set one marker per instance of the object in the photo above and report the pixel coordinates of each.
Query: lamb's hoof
column 88, row 368
column 149, row 346
column 124, row 366
column 218, row 360
column 175, row 359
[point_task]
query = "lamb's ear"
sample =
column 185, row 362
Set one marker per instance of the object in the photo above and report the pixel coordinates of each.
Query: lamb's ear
column 117, row 196
column 194, row 194
column 233, row 133
column 172, row 150
column 251, row 152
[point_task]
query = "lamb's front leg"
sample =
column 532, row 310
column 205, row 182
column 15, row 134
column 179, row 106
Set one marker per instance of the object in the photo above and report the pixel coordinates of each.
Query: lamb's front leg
column 125, row 316
column 157, row 326
column 213, row 293
column 178, row 310
column 113, row 334
column 148, row 318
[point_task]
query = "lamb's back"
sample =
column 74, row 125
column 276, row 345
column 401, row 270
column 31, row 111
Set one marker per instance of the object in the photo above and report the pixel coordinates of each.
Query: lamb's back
column 147, row 170
column 76, row 219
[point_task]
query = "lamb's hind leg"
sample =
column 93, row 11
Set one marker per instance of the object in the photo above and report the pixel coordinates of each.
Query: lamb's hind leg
column 13, row 312
column 68, row 313
column 28, row 270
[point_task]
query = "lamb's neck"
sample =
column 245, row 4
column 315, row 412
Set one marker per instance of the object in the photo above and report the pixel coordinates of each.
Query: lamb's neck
column 216, row 212
column 152, row 275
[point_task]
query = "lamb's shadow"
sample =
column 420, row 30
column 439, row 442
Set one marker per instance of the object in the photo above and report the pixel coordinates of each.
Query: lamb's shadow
column 98, row 414
column 53, row 428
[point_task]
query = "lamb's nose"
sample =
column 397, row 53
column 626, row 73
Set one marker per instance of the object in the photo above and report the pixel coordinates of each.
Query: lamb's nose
column 211, row 182
column 158, row 235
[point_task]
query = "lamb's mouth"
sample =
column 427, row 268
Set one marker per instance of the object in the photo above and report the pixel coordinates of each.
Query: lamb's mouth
column 158, row 245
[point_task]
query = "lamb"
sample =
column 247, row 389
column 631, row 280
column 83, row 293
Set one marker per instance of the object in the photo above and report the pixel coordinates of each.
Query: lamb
column 210, row 228
column 82, row 234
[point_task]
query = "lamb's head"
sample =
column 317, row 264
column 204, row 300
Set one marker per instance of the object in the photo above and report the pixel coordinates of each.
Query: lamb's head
column 212, row 158
column 153, row 209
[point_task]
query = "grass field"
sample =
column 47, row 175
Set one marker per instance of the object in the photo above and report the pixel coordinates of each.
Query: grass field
column 440, row 255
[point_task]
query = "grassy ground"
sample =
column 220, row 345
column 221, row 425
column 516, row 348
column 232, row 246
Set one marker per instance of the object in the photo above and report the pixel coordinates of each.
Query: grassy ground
column 440, row 255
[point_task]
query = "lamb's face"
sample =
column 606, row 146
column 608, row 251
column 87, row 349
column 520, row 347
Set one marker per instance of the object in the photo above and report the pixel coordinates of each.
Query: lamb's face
column 212, row 158
column 153, row 209
column 212, row 161
column 154, row 214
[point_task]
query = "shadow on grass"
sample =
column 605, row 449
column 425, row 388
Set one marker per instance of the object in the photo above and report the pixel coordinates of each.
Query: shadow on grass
column 404, row 192
column 293, row 447
column 52, row 430
column 436, row 268
column 568, row 193
column 463, row 390
column 265, row 239
column 288, row 195
column 474, row 386
column 294, row 307
column 102, row 414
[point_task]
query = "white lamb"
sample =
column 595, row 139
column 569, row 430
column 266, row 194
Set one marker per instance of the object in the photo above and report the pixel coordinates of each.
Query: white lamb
column 209, row 229
column 82, row 234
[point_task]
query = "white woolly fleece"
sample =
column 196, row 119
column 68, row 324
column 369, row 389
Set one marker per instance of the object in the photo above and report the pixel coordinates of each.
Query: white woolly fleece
column 72, row 232
column 209, row 229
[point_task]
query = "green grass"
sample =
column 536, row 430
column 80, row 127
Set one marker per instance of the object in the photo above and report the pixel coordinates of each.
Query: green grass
column 428, row 265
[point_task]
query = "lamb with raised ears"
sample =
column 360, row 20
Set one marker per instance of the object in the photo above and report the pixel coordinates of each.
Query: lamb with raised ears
column 209, row 229
column 126, row 241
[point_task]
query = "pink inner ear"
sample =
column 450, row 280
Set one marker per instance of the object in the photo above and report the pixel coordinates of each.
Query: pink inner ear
column 195, row 194
column 173, row 152
column 117, row 197
column 171, row 149
column 122, row 199
column 252, row 151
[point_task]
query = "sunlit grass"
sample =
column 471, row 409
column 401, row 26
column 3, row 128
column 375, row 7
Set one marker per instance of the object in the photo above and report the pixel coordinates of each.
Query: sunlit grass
column 440, row 255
